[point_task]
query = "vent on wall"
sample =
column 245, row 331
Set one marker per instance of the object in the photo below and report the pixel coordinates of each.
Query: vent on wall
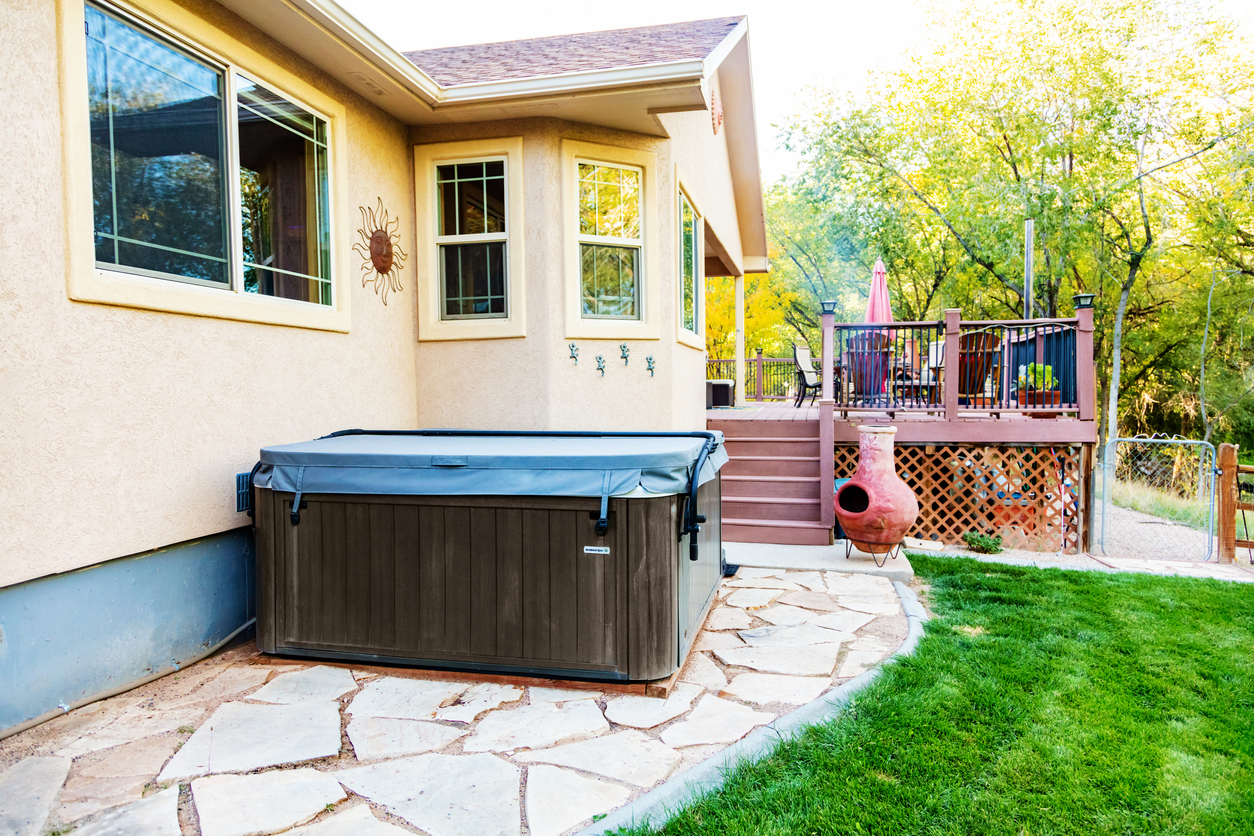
column 243, row 496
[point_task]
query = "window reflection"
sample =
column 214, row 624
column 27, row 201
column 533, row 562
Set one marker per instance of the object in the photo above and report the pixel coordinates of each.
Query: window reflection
column 157, row 149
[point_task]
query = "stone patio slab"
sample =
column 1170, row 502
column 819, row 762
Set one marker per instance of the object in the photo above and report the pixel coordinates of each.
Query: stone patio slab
column 561, row 695
column 703, row 672
column 715, row 721
column 445, row 795
column 255, row 805
column 728, row 618
column 753, row 572
column 558, row 799
column 375, row 738
column 628, row 756
column 868, row 586
column 537, row 726
column 857, row 662
column 810, row 601
column 752, row 599
column 871, row 606
column 156, row 815
column 240, row 737
column 84, row 796
column 812, row 660
column 90, row 743
column 774, row 556
column 800, row 634
column 28, row 790
column 847, row 621
column 230, row 682
column 713, row 641
column 355, row 821
column 478, row 699
column 319, row 683
column 762, row 583
column 648, row 712
column 143, row 721
column 782, row 614
column 404, row 699
column 766, row 688
column 812, row 581
column 142, row 757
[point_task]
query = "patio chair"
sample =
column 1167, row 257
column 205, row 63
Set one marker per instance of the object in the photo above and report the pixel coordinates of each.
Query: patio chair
column 979, row 356
column 868, row 366
column 807, row 377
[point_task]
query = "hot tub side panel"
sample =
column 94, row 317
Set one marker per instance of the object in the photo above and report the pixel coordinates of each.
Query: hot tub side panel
column 699, row 579
column 489, row 583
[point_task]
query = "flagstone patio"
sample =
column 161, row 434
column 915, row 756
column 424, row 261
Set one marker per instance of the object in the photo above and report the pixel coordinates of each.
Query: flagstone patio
column 241, row 745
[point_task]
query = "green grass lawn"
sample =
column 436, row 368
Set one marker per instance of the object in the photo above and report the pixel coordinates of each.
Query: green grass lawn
column 1041, row 702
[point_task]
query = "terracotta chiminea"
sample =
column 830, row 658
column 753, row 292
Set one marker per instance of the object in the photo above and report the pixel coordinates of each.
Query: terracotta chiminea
column 876, row 507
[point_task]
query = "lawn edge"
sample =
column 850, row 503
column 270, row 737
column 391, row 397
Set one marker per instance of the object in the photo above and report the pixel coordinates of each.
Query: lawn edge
column 659, row 804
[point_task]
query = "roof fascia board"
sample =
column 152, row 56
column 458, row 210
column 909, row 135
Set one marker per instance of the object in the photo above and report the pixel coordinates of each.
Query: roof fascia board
column 720, row 52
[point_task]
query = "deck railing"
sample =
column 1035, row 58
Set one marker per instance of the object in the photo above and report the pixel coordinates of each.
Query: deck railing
column 1040, row 367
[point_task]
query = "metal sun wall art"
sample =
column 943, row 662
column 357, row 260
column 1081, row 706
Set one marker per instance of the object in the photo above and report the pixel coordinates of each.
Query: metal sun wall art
column 379, row 247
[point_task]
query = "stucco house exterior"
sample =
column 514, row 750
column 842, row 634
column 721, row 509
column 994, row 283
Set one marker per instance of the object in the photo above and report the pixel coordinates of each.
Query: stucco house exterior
column 234, row 223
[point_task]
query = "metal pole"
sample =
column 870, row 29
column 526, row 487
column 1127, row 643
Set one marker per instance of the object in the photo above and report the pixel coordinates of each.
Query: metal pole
column 1029, row 231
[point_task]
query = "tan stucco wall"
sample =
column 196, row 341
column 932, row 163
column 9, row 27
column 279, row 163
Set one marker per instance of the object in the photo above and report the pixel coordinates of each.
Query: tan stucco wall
column 531, row 382
column 705, row 169
column 121, row 429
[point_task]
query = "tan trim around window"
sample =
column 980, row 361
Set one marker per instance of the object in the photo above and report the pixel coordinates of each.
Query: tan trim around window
column 430, row 326
column 85, row 282
column 648, row 327
column 683, row 335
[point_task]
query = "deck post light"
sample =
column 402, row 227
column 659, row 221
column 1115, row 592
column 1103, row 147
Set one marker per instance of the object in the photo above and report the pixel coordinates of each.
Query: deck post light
column 1083, row 300
column 828, row 307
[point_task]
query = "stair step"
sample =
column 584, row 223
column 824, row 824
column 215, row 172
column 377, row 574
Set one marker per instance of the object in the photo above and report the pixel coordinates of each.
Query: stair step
column 773, row 466
column 784, row 532
column 773, row 429
column 785, row 447
column 772, row 508
column 800, row 487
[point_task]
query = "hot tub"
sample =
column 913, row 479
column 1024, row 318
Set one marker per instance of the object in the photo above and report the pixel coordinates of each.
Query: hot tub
column 556, row 554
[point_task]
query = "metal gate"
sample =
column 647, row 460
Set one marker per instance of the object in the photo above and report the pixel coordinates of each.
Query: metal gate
column 1155, row 496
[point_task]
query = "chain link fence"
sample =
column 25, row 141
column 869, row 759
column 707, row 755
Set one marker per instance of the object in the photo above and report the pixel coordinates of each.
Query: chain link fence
column 1154, row 498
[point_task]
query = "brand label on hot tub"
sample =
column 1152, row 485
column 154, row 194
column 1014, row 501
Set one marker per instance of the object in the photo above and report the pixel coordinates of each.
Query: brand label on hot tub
column 596, row 549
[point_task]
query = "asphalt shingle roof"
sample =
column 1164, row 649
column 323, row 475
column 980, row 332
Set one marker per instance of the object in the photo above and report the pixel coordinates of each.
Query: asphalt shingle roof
column 583, row 52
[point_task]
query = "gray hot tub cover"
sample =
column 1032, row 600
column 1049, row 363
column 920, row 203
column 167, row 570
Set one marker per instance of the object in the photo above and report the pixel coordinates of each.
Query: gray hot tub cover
column 487, row 465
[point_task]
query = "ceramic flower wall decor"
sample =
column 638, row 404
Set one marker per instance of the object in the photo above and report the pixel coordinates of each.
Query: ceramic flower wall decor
column 378, row 245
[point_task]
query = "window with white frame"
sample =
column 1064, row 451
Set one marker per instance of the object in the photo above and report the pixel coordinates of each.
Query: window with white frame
column 200, row 174
column 688, row 266
column 472, row 239
column 610, row 241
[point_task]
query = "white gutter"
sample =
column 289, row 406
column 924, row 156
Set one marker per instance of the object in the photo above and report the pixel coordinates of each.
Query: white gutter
column 645, row 75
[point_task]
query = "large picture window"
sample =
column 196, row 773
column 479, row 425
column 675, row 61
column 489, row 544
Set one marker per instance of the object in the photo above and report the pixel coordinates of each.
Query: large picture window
column 688, row 265
column 610, row 241
column 471, row 239
column 180, row 192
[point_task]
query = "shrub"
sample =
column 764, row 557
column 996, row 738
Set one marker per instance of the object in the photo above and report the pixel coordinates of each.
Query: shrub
column 982, row 543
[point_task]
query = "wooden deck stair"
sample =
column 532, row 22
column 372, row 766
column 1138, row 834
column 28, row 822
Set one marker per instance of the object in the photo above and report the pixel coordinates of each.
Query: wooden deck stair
column 771, row 485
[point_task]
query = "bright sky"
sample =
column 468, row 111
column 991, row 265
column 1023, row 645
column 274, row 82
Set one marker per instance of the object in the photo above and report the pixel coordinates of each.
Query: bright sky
column 796, row 46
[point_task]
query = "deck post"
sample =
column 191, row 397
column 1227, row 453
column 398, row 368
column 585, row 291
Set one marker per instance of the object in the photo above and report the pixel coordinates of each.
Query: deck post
column 950, row 363
column 757, row 389
column 1086, row 373
column 740, row 341
column 1226, row 503
column 827, row 432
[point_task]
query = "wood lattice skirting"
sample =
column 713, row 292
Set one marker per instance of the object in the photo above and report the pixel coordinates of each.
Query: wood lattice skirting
column 973, row 488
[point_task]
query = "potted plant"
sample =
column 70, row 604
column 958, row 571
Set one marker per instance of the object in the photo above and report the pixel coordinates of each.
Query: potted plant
column 1037, row 387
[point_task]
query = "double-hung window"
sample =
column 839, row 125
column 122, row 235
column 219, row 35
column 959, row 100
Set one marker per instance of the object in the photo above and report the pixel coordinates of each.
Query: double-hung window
column 688, row 267
column 610, row 241
column 201, row 175
column 472, row 239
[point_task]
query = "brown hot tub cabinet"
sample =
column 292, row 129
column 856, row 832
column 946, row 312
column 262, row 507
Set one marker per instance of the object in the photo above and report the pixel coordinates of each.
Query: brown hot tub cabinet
column 543, row 554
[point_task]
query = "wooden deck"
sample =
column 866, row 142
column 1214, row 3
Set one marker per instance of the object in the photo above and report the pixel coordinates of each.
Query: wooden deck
column 922, row 428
